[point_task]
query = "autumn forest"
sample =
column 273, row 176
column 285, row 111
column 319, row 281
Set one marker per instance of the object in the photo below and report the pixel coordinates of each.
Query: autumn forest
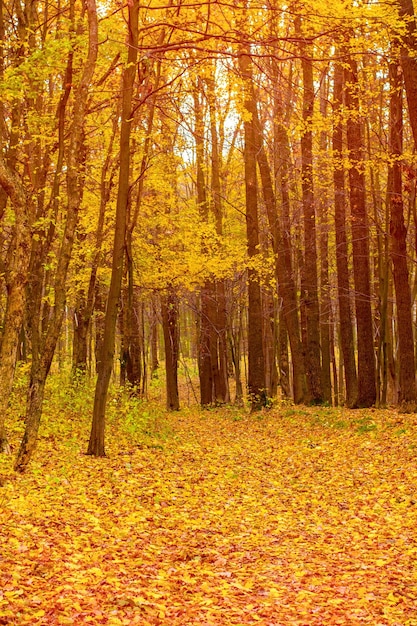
column 208, row 253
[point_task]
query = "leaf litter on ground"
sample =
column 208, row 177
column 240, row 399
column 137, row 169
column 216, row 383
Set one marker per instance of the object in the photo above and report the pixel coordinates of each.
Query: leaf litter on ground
column 299, row 516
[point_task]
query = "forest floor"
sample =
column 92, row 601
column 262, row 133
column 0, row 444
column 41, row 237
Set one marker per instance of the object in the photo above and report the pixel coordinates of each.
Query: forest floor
column 296, row 516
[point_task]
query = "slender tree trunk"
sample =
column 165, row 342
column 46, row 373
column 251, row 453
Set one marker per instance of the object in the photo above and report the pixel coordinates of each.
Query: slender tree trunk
column 398, row 235
column 345, row 313
column 235, row 342
column 283, row 360
column 360, row 242
column 99, row 315
column 208, row 357
column 134, row 366
column 382, row 268
column 154, row 340
column 86, row 300
column 96, row 443
column 270, row 345
column 221, row 382
column 169, row 311
column 326, row 318
column 133, row 340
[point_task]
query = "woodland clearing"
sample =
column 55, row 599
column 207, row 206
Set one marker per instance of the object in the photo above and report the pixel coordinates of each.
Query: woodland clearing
column 301, row 516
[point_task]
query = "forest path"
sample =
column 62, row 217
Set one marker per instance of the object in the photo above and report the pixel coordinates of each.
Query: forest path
column 295, row 516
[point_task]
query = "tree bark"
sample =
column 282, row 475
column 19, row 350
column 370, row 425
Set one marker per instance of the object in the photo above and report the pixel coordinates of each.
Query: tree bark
column 360, row 241
column 398, row 235
column 154, row 365
column 16, row 279
column 326, row 318
column 309, row 283
column 280, row 227
column 169, row 311
column 221, row 382
column 86, row 300
column 207, row 349
column 409, row 61
column 345, row 312
column 256, row 363
column 96, row 445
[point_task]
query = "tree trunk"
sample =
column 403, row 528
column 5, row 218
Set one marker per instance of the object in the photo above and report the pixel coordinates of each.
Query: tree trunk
column 409, row 61
column 99, row 314
column 270, row 344
column 309, row 289
column 235, row 342
column 134, row 366
column 169, row 311
column 398, row 235
column 283, row 360
column 345, row 313
column 86, row 300
column 360, row 242
column 281, row 231
column 221, row 382
column 256, row 362
column 81, row 325
column 96, row 443
column 207, row 349
column 33, row 414
column 326, row 318
column 154, row 340
column 16, row 279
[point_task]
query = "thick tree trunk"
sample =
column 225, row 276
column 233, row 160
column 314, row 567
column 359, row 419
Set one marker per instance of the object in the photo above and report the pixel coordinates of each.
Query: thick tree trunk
column 409, row 61
column 309, row 283
column 96, row 443
column 81, row 325
column 345, row 313
column 33, row 415
column 281, row 226
column 256, row 361
column 360, row 242
column 398, row 235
